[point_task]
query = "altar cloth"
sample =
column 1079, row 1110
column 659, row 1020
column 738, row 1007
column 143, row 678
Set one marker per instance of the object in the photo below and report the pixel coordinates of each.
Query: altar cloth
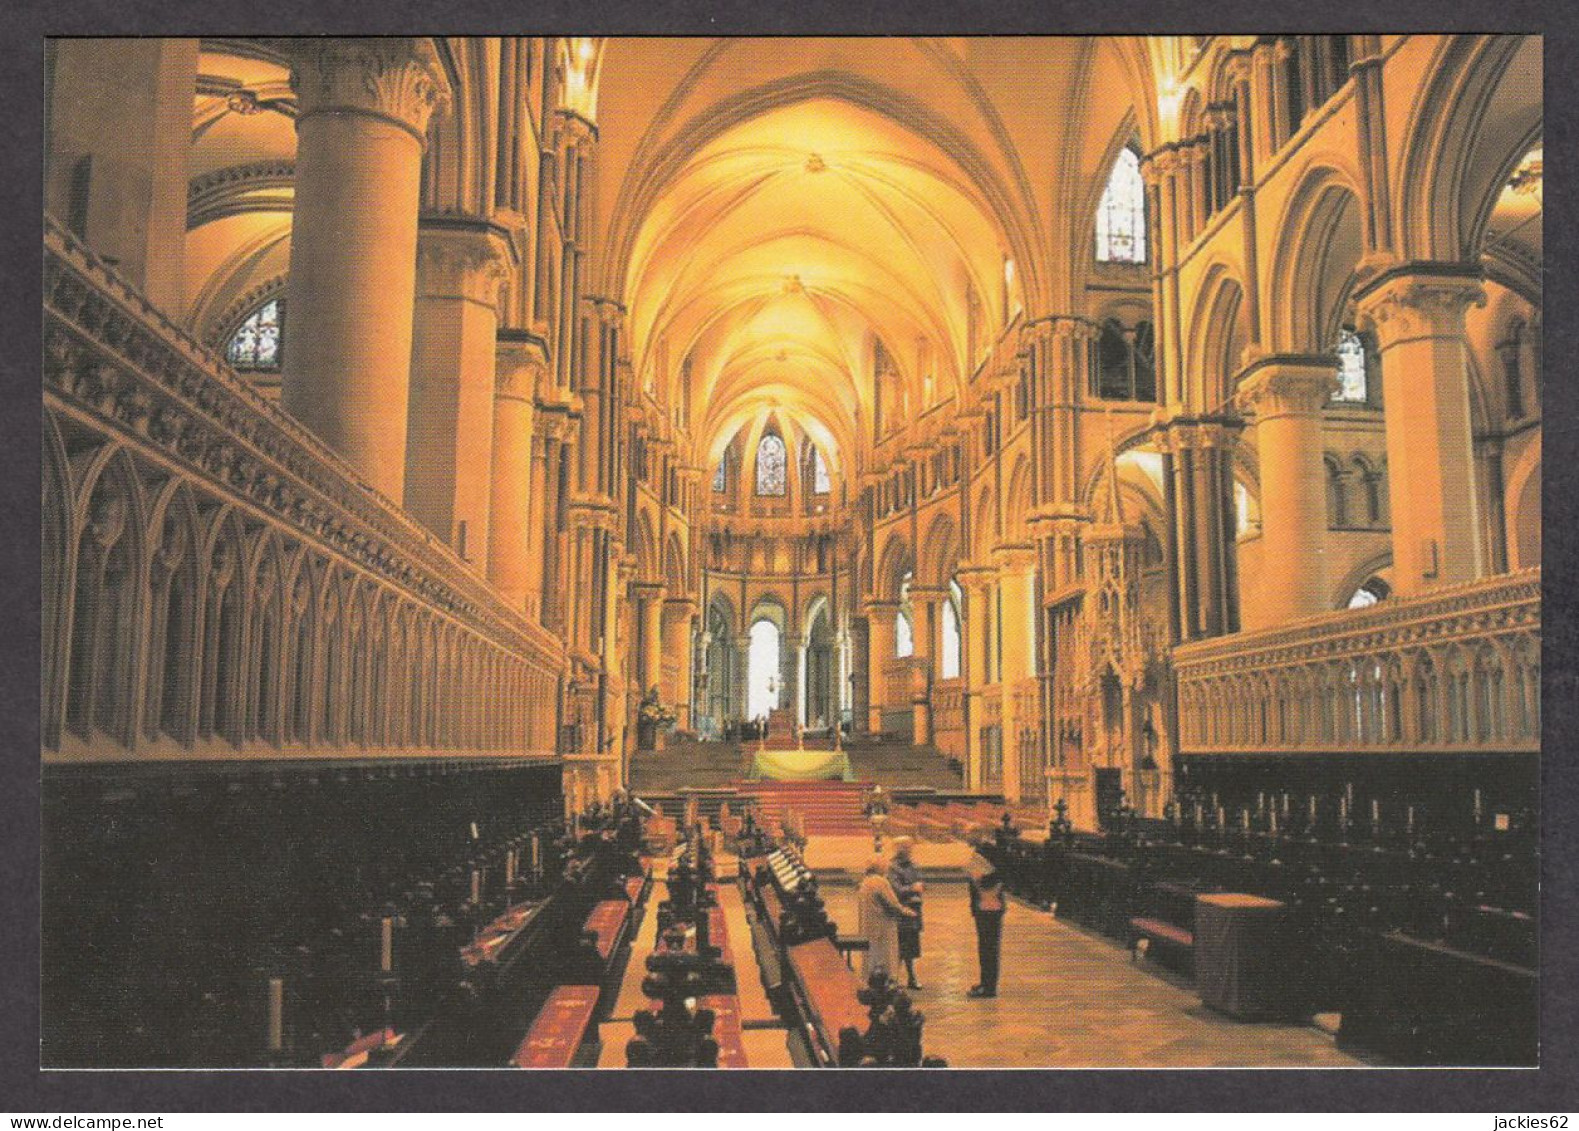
column 801, row 765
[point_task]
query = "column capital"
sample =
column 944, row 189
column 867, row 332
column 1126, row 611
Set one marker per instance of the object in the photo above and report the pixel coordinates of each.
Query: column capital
column 1288, row 385
column 554, row 423
column 1015, row 559
column 881, row 608
column 399, row 79
column 1179, row 433
column 462, row 260
column 521, row 365
column 1419, row 300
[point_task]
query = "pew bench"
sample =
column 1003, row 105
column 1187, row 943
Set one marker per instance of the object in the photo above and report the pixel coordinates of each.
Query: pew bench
column 1159, row 932
column 728, row 1030
column 608, row 921
column 825, row 990
column 1164, row 916
column 558, row 1037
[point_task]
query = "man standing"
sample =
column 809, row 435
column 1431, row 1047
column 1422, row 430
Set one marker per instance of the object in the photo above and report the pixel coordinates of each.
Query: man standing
column 986, row 907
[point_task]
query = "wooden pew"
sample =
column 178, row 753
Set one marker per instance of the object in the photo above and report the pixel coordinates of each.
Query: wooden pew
column 558, row 1037
column 727, row 1030
column 1165, row 918
column 825, row 990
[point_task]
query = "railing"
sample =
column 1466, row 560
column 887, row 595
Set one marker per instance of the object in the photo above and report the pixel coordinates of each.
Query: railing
column 1455, row 669
column 215, row 576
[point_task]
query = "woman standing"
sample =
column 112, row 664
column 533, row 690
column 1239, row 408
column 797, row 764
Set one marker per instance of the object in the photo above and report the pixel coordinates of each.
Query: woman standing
column 906, row 880
column 880, row 915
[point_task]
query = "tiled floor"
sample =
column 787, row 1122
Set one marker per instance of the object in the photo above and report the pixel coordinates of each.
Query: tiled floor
column 1069, row 999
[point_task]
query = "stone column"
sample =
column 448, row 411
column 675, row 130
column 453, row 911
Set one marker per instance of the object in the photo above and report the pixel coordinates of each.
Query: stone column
column 926, row 622
column 1417, row 313
column 742, row 683
column 120, row 131
column 976, row 581
column 679, row 626
column 1287, row 395
column 364, row 110
column 449, row 444
column 879, row 650
column 1016, row 572
column 1201, row 547
column 516, row 499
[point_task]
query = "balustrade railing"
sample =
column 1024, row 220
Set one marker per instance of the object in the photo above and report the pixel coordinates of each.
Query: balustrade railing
column 216, row 578
column 1455, row 669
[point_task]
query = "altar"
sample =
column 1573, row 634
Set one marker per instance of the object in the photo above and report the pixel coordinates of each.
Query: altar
column 801, row 765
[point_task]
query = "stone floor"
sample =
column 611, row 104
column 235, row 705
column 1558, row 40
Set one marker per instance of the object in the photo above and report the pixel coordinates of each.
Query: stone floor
column 1069, row 999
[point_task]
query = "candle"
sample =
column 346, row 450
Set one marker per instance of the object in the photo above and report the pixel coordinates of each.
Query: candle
column 536, row 868
column 1200, row 812
column 1477, row 806
column 1222, row 818
column 509, row 870
column 1348, row 793
column 386, row 952
column 1244, row 819
column 476, row 886
column 1272, row 817
column 1313, row 810
column 1409, row 820
column 1260, row 802
column 1343, row 810
column 1376, row 811
column 276, row 1014
column 1285, row 804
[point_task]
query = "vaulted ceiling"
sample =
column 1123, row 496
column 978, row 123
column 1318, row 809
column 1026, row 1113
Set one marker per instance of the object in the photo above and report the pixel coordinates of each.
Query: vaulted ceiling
column 771, row 210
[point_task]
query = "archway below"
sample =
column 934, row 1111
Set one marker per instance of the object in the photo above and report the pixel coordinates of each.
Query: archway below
column 763, row 679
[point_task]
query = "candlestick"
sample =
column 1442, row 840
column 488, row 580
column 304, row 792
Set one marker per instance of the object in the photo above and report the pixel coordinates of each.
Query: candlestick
column 386, row 951
column 276, row 1014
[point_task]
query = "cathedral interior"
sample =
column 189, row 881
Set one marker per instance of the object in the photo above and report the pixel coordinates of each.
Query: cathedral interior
column 524, row 518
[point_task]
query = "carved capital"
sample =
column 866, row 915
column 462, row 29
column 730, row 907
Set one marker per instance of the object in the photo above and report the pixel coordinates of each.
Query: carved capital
column 399, row 79
column 467, row 262
column 521, row 365
column 1419, row 301
column 1292, row 386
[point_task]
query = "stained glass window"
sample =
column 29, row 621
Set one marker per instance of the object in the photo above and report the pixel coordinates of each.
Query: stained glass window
column 1353, row 385
column 721, row 476
column 256, row 343
column 771, row 459
column 1121, row 216
column 820, row 484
